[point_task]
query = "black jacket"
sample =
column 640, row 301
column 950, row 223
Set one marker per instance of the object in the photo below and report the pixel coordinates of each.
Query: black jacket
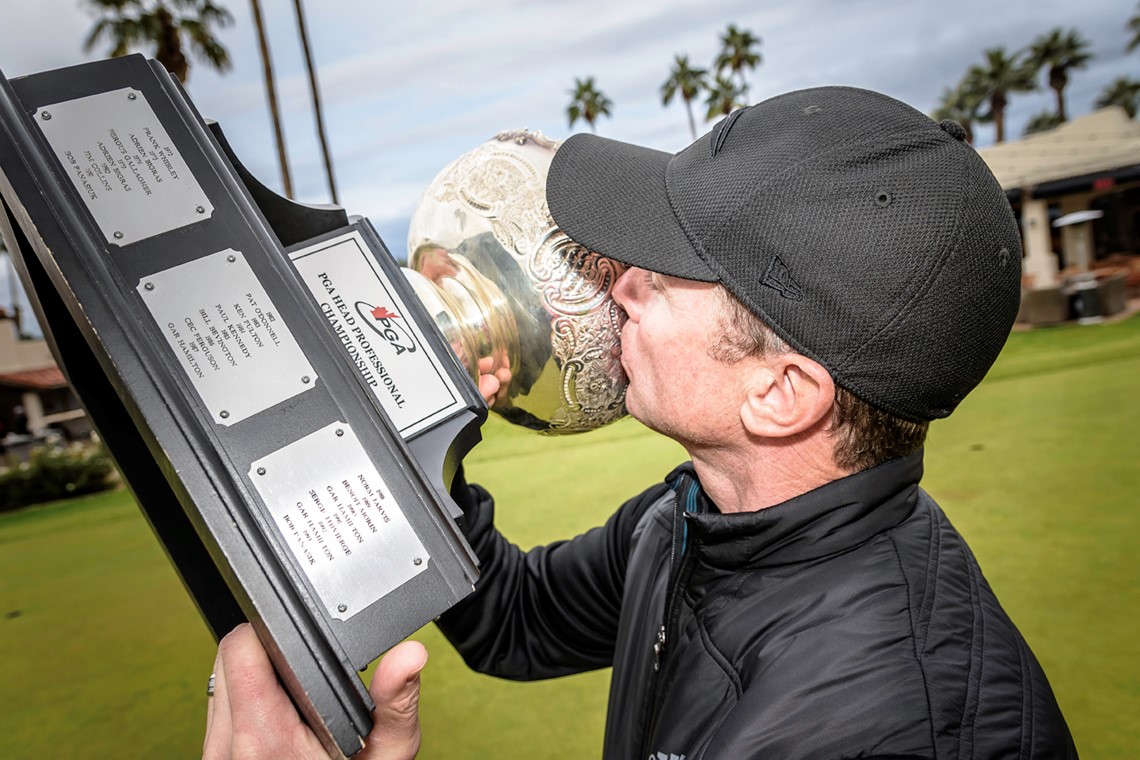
column 851, row 621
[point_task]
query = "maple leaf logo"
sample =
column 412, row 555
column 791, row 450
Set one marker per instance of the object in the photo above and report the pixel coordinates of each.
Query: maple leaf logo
column 381, row 312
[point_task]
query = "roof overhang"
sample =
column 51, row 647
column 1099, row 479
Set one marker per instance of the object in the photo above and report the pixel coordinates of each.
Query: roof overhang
column 41, row 379
column 1096, row 151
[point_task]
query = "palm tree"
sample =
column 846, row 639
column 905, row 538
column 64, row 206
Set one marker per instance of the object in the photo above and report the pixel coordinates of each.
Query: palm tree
column 314, row 90
column 999, row 77
column 1134, row 27
column 737, row 54
column 1060, row 51
column 587, row 102
column 1042, row 122
column 689, row 82
column 1123, row 92
column 963, row 104
column 723, row 98
column 162, row 26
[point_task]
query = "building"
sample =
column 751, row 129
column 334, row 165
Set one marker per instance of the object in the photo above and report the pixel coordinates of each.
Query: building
column 35, row 397
column 1091, row 163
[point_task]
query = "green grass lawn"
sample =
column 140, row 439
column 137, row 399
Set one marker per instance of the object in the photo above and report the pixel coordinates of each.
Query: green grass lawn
column 103, row 654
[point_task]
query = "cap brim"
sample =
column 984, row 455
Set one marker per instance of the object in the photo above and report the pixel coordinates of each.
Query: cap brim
column 611, row 197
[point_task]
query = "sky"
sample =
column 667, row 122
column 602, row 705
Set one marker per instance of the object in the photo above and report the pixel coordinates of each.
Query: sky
column 407, row 87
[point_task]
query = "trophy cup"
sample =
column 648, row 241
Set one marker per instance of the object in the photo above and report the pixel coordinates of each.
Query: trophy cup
column 515, row 296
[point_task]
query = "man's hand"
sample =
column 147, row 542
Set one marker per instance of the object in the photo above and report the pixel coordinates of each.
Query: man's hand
column 250, row 715
column 494, row 379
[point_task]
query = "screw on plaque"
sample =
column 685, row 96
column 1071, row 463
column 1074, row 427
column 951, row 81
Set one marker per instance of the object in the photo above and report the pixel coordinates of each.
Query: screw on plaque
column 339, row 432
column 131, row 96
column 342, row 608
column 231, row 258
column 118, row 235
column 224, row 414
column 200, row 209
column 305, row 379
column 417, row 561
column 45, row 115
column 260, row 470
column 149, row 286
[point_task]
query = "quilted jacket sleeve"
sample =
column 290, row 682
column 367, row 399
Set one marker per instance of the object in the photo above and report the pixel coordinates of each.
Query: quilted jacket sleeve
column 548, row 612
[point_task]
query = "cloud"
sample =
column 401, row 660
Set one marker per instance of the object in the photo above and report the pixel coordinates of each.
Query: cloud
column 408, row 87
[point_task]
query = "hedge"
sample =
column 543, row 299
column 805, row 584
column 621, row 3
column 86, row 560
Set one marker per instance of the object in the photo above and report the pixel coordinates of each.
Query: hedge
column 56, row 472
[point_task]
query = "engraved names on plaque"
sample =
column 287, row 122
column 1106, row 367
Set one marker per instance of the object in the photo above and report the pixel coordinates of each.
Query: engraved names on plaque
column 227, row 335
column 386, row 347
column 339, row 519
column 124, row 165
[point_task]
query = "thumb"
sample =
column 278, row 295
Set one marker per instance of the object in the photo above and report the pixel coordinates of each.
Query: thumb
column 396, row 690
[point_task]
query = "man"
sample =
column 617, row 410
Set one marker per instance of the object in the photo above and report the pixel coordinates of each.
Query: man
column 811, row 284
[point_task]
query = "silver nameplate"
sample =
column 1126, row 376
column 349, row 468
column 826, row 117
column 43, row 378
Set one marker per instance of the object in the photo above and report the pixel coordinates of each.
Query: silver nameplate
column 227, row 335
column 124, row 165
column 339, row 519
column 386, row 347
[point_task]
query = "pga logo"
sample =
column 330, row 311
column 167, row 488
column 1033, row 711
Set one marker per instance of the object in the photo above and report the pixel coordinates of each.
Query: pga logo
column 387, row 324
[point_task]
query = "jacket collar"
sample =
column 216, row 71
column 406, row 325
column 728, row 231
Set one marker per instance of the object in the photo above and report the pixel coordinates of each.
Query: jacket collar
column 827, row 520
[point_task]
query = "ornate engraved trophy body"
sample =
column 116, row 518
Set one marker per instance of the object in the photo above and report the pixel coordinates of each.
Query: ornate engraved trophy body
column 516, row 298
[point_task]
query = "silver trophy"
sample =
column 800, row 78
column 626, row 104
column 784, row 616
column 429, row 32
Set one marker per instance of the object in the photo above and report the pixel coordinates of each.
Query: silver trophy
column 516, row 298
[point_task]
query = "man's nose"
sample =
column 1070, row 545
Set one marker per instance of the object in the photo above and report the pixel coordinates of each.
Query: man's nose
column 626, row 288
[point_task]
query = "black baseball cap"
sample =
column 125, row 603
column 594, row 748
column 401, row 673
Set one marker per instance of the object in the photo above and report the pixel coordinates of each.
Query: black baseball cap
column 871, row 238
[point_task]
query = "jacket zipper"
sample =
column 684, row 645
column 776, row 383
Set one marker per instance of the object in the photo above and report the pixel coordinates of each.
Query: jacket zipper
column 678, row 576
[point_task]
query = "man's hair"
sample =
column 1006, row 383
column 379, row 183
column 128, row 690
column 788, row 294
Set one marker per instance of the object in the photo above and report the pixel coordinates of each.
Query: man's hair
column 864, row 435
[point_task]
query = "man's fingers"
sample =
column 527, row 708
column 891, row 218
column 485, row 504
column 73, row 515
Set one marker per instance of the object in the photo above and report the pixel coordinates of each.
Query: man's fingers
column 251, row 686
column 396, row 690
column 504, row 376
column 250, row 715
column 219, row 728
column 488, row 387
column 264, row 723
column 248, row 674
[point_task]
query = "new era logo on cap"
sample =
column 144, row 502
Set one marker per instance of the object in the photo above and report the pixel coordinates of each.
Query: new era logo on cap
column 721, row 130
column 777, row 277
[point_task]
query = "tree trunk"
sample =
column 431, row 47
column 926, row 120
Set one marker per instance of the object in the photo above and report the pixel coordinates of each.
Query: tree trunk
column 315, row 90
column 168, row 50
column 1058, row 80
column 13, row 279
column 997, row 106
column 271, row 92
column 692, row 124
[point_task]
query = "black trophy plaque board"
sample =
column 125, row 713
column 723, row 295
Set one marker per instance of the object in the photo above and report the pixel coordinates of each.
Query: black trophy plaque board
column 285, row 456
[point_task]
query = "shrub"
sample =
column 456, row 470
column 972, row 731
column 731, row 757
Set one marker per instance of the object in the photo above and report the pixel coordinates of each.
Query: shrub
column 56, row 472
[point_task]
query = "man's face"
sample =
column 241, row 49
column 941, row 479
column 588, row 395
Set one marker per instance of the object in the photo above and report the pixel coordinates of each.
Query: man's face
column 675, row 386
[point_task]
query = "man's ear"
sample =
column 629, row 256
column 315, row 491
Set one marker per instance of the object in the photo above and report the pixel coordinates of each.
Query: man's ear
column 786, row 395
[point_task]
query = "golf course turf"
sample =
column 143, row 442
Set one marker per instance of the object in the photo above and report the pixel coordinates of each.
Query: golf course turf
column 104, row 654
